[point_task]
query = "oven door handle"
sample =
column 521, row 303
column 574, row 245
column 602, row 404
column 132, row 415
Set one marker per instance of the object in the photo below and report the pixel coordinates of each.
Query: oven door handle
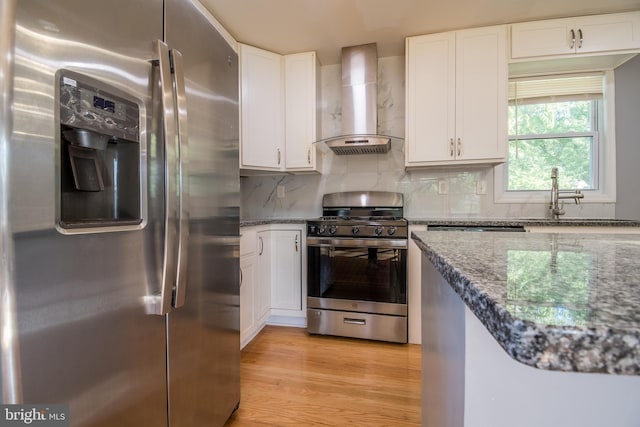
column 356, row 243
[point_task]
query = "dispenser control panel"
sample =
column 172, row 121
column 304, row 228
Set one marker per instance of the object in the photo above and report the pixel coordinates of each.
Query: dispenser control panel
column 85, row 105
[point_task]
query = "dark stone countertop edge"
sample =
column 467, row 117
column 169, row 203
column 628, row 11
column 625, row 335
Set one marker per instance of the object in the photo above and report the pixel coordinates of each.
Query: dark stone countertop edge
column 255, row 222
column 532, row 222
column 533, row 344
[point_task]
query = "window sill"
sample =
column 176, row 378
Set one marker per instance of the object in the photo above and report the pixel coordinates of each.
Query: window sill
column 590, row 196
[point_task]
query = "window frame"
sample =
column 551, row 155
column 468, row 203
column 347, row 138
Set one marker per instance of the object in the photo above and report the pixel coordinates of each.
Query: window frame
column 604, row 159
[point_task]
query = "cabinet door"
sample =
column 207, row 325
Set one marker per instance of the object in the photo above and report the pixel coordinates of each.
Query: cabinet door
column 587, row 34
column 262, row 283
column 262, row 114
column 542, row 38
column 602, row 33
column 430, row 98
column 286, row 274
column 300, row 110
column 247, row 275
column 481, row 94
column 457, row 97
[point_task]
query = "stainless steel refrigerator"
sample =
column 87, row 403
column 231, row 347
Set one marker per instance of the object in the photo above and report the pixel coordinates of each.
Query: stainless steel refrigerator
column 119, row 214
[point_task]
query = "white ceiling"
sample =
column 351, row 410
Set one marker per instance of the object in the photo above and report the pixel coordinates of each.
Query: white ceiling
column 290, row 26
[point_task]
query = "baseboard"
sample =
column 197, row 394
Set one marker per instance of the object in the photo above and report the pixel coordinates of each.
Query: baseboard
column 246, row 340
column 293, row 321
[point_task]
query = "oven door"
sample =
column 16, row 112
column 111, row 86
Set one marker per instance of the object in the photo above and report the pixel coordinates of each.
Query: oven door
column 363, row 275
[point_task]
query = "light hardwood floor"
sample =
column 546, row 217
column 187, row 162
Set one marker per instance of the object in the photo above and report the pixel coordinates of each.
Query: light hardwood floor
column 290, row 378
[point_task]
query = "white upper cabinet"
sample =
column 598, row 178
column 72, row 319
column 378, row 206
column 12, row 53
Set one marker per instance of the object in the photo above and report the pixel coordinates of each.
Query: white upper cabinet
column 301, row 91
column 456, row 97
column 278, row 111
column 587, row 34
column 261, row 109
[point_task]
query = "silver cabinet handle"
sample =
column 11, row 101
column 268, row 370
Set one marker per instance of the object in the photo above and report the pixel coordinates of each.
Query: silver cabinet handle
column 459, row 147
column 296, row 243
column 451, row 147
column 279, row 156
column 573, row 39
column 261, row 245
column 183, row 187
column 354, row 321
column 241, row 278
column 309, row 156
column 580, row 38
column 169, row 269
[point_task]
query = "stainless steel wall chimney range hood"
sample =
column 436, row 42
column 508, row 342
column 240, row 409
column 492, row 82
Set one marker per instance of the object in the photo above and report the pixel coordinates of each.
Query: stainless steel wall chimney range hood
column 359, row 104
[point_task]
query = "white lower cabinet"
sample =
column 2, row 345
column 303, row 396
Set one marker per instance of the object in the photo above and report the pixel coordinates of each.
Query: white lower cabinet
column 414, row 287
column 273, row 269
column 262, row 290
column 247, row 280
column 254, row 292
column 286, row 270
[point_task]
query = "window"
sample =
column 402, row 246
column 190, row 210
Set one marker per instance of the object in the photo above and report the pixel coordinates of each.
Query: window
column 559, row 121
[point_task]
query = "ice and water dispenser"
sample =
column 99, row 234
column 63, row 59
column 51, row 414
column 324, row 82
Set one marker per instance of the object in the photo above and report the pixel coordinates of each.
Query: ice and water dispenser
column 99, row 164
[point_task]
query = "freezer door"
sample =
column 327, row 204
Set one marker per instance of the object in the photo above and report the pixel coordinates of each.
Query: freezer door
column 203, row 334
column 84, row 336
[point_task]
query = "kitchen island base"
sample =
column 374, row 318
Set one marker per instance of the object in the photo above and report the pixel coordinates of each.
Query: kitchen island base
column 469, row 380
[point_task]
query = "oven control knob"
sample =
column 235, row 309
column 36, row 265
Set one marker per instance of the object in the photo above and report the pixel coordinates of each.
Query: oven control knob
column 378, row 231
column 312, row 230
column 333, row 229
column 391, row 230
column 322, row 229
column 355, row 229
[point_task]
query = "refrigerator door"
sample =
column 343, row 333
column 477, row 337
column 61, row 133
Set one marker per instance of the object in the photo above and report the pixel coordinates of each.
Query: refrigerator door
column 84, row 336
column 203, row 334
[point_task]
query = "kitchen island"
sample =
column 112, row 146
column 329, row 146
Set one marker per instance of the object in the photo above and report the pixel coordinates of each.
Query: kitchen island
column 525, row 329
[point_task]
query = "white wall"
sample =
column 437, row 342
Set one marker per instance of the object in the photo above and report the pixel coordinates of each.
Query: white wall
column 628, row 139
column 303, row 193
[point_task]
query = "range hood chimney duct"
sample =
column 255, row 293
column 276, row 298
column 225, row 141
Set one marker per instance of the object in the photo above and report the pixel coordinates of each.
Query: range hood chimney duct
column 359, row 103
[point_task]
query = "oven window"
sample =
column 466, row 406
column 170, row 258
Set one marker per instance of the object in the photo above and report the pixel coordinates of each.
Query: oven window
column 366, row 274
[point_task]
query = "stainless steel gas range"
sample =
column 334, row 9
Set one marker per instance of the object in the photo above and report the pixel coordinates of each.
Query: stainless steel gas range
column 357, row 267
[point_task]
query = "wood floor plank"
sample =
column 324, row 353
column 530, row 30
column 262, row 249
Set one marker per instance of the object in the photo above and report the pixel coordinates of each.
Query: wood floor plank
column 290, row 378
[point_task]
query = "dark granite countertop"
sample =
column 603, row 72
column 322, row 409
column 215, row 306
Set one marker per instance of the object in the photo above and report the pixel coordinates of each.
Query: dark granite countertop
column 254, row 222
column 532, row 222
column 557, row 301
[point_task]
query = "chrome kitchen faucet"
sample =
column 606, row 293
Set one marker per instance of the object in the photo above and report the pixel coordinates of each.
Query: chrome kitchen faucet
column 556, row 195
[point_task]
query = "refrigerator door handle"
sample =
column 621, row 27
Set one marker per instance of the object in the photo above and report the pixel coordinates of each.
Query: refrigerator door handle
column 169, row 270
column 183, row 185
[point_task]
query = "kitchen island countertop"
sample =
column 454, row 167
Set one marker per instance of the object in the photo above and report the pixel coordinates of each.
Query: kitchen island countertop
column 556, row 301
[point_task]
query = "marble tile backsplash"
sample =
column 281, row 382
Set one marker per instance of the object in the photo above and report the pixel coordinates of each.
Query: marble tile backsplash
column 386, row 172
